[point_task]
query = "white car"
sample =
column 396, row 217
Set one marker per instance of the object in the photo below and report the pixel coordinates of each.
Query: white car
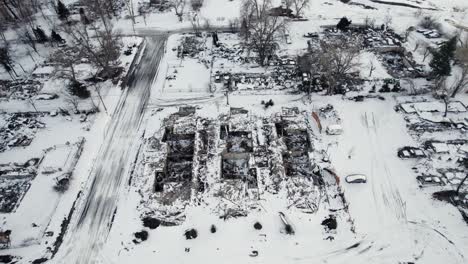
column 356, row 178
column 334, row 130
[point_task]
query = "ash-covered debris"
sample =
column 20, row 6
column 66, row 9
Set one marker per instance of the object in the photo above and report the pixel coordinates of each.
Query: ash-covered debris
column 140, row 236
column 191, row 234
column 442, row 155
column 151, row 223
column 19, row 130
column 228, row 163
column 15, row 180
column 330, row 223
column 20, row 89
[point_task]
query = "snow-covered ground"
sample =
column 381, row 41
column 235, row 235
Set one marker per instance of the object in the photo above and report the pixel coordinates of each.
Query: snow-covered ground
column 394, row 219
column 389, row 219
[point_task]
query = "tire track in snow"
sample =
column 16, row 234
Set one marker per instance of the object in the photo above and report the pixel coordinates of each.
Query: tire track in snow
column 403, row 243
column 93, row 220
column 389, row 195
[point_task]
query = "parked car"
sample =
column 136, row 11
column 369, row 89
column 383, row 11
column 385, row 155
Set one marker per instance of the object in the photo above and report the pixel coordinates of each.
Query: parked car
column 46, row 96
column 311, row 35
column 356, row 178
column 411, row 152
column 334, row 130
column 430, row 180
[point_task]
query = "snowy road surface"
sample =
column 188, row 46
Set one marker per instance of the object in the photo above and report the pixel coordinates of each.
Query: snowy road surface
column 93, row 218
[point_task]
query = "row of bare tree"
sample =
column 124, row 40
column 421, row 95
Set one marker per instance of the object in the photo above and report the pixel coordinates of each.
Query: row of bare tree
column 262, row 31
column 460, row 72
column 259, row 30
column 94, row 36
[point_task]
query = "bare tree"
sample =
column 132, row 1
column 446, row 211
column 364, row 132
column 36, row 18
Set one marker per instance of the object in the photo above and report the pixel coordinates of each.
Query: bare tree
column 262, row 28
column 388, row 19
column 17, row 10
column 6, row 61
column 131, row 11
column 234, row 25
column 179, row 8
column 369, row 22
column 408, row 32
column 336, row 60
column 444, row 86
column 71, row 99
column 68, row 57
column 461, row 183
column 8, row 11
column 196, row 5
column 246, row 17
column 441, row 91
column 418, row 43
column 24, row 11
column 444, row 96
column 303, row 63
column 426, row 49
column 372, row 68
column 298, row 5
column 195, row 21
column 206, row 24
column 429, row 22
column 461, row 78
column 411, row 85
column 102, row 49
column 33, row 104
column 427, row 52
column 97, row 88
column 3, row 27
column 102, row 8
column 142, row 12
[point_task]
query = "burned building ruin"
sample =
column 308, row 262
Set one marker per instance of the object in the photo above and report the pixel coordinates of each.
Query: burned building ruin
column 235, row 160
column 179, row 162
column 295, row 157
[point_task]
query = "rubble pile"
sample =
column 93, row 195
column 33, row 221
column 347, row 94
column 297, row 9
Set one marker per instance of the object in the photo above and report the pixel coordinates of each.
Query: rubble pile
column 386, row 43
column 180, row 151
column 283, row 74
column 190, row 46
column 400, row 64
column 442, row 157
column 443, row 162
column 237, row 137
column 381, row 39
column 234, row 53
column 365, row 36
column 21, row 89
column 233, row 159
column 19, row 130
column 15, row 180
column 154, row 6
column 297, row 145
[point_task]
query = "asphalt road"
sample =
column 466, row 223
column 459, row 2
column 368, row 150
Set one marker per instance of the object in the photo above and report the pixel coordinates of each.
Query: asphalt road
column 93, row 217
